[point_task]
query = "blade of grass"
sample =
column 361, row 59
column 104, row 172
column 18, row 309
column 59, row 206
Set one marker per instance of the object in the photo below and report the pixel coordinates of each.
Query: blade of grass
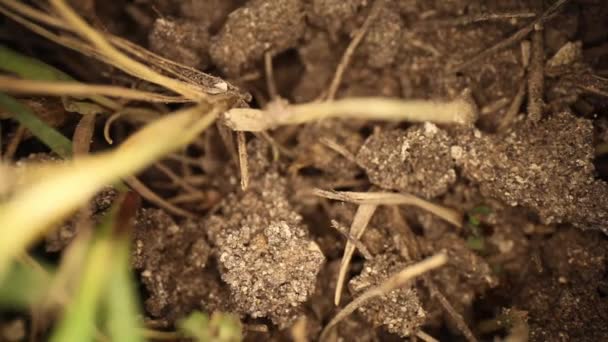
column 34, row 69
column 31, row 211
column 47, row 134
column 78, row 323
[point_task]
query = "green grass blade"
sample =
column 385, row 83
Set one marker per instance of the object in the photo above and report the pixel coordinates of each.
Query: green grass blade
column 79, row 320
column 45, row 133
column 32, row 69
column 22, row 287
column 66, row 186
column 29, row 68
column 122, row 303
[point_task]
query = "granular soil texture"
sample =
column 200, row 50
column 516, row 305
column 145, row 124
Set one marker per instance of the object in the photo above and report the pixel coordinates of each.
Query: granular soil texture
column 531, row 259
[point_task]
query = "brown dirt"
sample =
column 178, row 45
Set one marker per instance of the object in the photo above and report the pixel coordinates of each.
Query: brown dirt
column 534, row 194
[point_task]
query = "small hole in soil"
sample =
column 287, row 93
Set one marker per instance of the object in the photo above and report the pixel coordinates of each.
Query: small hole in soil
column 602, row 290
column 310, row 172
column 601, row 165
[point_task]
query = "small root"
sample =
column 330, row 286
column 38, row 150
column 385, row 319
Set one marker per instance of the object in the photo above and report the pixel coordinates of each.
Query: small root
column 511, row 40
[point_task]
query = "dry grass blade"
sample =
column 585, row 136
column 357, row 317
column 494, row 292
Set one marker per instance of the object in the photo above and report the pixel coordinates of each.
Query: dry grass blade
column 241, row 145
column 34, row 208
column 31, row 87
column 394, row 282
column 83, row 134
column 121, row 60
column 350, row 50
column 149, row 195
column 358, row 244
column 391, row 198
column 458, row 111
column 360, row 221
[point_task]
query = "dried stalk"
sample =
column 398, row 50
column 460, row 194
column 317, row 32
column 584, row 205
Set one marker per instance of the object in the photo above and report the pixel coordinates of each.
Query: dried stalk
column 458, row 111
column 390, row 198
column 392, row 283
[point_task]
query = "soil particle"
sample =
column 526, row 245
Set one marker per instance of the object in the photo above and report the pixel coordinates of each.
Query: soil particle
column 264, row 252
column 546, row 167
column 399, row 311
column 380, row 45
column 59, row 238
column 180, row 40
column 335, row 16
column 172, row 259
column 257, row 27
column 416, row 160
column 564, row 297
column 211, row 13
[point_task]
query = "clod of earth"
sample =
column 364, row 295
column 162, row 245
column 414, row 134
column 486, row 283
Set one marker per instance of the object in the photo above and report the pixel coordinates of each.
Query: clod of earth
column 400, row 310
column 264, row 252
column 182, row 41
column 547, row 167
column 257, row 27
column 416, row 160
column 172, row 260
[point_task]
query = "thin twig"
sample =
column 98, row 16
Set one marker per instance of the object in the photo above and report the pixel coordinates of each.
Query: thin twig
column 243, row 160
column 350, row 50
column 177, row 179
column 358, row 244
column 394, row 282
column 390, row 198
column 470, row 19
column 452, row 313
column 514, row 108
column 270, row 81
column 341, row 150
column 536, row 75
column 149, row 195
column 513, row 39
column 360, row 221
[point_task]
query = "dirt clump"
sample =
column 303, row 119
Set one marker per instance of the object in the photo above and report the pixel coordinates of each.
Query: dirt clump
column 335, row 16
column 257, row 27
column 172, row 260
column 546, row 167
column 182, row 41
column 264, row 252
column 565, row 295
column 416, row 160
column 399, row 311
